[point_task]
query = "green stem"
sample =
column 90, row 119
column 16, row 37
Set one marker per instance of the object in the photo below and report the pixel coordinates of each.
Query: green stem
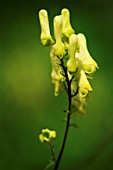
column 52, row 151
column 68, row 116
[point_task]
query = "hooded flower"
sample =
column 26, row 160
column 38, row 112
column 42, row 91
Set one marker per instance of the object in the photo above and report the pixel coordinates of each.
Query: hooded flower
column 67, row 29
column 71, row 63
column 82, row 81
column 58, row 48
column 45, row 37
column 88, row 63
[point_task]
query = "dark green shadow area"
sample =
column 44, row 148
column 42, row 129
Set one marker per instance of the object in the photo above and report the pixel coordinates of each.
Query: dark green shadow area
column 27, row 103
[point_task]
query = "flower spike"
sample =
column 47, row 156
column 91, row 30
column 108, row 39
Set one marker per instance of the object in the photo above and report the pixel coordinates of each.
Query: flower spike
column 69, row 56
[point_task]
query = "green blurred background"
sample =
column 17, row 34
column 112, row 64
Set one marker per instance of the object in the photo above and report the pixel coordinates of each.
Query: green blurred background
column 27, row 103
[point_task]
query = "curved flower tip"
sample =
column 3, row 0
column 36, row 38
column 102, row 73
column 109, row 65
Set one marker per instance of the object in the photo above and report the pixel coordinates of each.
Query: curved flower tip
column 47, row 135
column 67, row 29
column 71, row 63
column 88, row 63
column 45, row 37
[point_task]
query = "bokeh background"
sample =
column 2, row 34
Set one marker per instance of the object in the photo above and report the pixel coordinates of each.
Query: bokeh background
column 27, row 103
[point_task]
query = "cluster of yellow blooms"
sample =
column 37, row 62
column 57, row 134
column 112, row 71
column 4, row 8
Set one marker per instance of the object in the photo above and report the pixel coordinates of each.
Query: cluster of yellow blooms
column 73, row 48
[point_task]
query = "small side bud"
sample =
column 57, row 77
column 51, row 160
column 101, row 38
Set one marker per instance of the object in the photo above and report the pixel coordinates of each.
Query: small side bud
column 47, row 135
column 45, row 37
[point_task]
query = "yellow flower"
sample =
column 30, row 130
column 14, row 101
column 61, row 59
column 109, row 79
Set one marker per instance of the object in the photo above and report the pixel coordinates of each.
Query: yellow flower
column 45, row 37
column 47, row 135
column 58, row 48
column 67, row 29
column 71, row 63
column 89, row 64
column 83, row 83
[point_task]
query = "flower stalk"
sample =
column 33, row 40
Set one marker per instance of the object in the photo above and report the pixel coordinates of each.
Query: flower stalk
column 68, row 116
column 52, row 151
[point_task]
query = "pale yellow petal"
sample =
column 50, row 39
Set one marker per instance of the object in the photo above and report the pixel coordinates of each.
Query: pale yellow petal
column 52, row 134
